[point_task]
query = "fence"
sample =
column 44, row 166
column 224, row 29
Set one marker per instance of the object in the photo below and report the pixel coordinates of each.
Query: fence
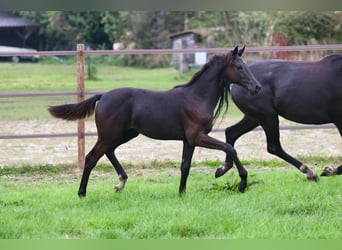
column 80, row 92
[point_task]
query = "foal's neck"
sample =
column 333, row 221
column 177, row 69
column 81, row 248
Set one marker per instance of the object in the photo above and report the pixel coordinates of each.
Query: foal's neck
column 207, row 86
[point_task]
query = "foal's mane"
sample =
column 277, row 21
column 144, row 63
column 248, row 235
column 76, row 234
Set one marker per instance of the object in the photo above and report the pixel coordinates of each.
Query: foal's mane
column 196, row 76
column 223, row 100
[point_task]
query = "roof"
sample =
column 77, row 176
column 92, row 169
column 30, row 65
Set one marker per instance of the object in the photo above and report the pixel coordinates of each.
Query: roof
column 10, row 20
column 181, row 33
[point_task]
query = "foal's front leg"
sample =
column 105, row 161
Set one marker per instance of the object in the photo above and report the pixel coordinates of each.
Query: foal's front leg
column 188, row 151
column 204, row 140
column 232, row 134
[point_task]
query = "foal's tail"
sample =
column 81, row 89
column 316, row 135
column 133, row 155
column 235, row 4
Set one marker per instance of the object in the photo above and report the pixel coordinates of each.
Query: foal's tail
column 72, row 112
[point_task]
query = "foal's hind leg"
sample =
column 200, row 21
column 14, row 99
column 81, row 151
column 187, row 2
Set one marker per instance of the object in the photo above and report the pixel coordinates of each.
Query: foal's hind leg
column 271, row 128
column 90, row 161
column 188, row 151
column 119, row 169
column 116, row 164
column 232, row 134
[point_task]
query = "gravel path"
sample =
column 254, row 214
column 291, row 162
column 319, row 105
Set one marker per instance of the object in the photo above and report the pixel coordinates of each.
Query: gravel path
column 16, row 152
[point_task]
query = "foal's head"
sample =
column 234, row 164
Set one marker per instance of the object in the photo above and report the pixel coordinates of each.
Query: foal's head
column 238, row 72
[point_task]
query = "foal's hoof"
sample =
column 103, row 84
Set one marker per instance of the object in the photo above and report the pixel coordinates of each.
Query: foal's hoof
column 242, row 187
column 327, row 171
column 81, row 195
column 119, row 187
column 222, row 170
column 181, row 194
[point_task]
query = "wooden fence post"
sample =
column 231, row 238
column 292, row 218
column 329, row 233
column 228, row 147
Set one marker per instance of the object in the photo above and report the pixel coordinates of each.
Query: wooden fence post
column 80, row 97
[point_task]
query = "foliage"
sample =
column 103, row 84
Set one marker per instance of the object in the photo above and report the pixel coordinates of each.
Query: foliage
column 308, row 27
column 91, row 70
column 61, row 30
column 114, row 24
column 231, row 185
column 150, row 26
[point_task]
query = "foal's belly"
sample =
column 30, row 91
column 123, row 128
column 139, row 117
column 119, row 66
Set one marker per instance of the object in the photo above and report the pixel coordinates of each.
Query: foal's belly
column 160, row 134
column 159, row 129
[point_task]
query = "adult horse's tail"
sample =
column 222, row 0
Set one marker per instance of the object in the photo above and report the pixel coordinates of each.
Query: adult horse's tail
column 76, row 111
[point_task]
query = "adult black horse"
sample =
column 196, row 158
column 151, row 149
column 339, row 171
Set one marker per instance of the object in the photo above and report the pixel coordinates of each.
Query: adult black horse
column 300, row 91
column 184, row 113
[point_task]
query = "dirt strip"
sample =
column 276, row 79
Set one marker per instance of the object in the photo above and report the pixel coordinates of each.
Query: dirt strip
column 16, row 152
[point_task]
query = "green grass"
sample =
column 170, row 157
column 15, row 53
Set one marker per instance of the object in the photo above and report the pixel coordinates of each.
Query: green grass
column 278, row 204
column 40, row 202
column 28, row 77
column 63, row 77
column 38, row 77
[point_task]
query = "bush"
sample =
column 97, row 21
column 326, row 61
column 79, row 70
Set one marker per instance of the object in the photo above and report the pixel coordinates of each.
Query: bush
column 146, row 61
column 91, row 72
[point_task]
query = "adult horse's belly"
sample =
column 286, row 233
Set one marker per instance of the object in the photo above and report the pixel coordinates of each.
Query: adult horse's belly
column 308, row 110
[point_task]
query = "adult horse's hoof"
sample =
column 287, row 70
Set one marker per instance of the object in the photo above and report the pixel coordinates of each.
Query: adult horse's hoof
column 327, row 171
column 312, row 177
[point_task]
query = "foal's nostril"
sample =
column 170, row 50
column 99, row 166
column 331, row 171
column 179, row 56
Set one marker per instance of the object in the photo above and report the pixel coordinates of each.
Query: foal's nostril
column 257, row 88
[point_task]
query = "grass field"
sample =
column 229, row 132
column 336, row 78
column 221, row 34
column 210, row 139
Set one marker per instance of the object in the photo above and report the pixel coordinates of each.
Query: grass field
column 34, row 78
column 39, row 201
column 279, row 204
column 48, row 77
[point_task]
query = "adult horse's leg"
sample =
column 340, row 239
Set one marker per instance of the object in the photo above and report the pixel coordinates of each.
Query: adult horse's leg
column 339, row 168
column 327, row 171
column 204, row 140
column 116, row 164
column 232, row 134
column 90, row 161
column 188, row 151
column 271, row 128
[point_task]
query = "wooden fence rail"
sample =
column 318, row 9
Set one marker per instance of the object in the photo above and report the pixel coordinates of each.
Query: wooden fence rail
column 325, row 47
column 80, row 53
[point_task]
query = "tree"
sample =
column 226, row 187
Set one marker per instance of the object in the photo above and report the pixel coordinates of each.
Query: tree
column 305, row 27
column 149, row 29
column 115, row 25
column 61, row 30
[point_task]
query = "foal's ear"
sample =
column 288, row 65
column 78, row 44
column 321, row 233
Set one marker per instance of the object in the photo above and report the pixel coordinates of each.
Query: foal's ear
column 241, row 51
column 235, row 51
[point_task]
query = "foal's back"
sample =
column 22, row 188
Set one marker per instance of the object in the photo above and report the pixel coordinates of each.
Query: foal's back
column 156, row 114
